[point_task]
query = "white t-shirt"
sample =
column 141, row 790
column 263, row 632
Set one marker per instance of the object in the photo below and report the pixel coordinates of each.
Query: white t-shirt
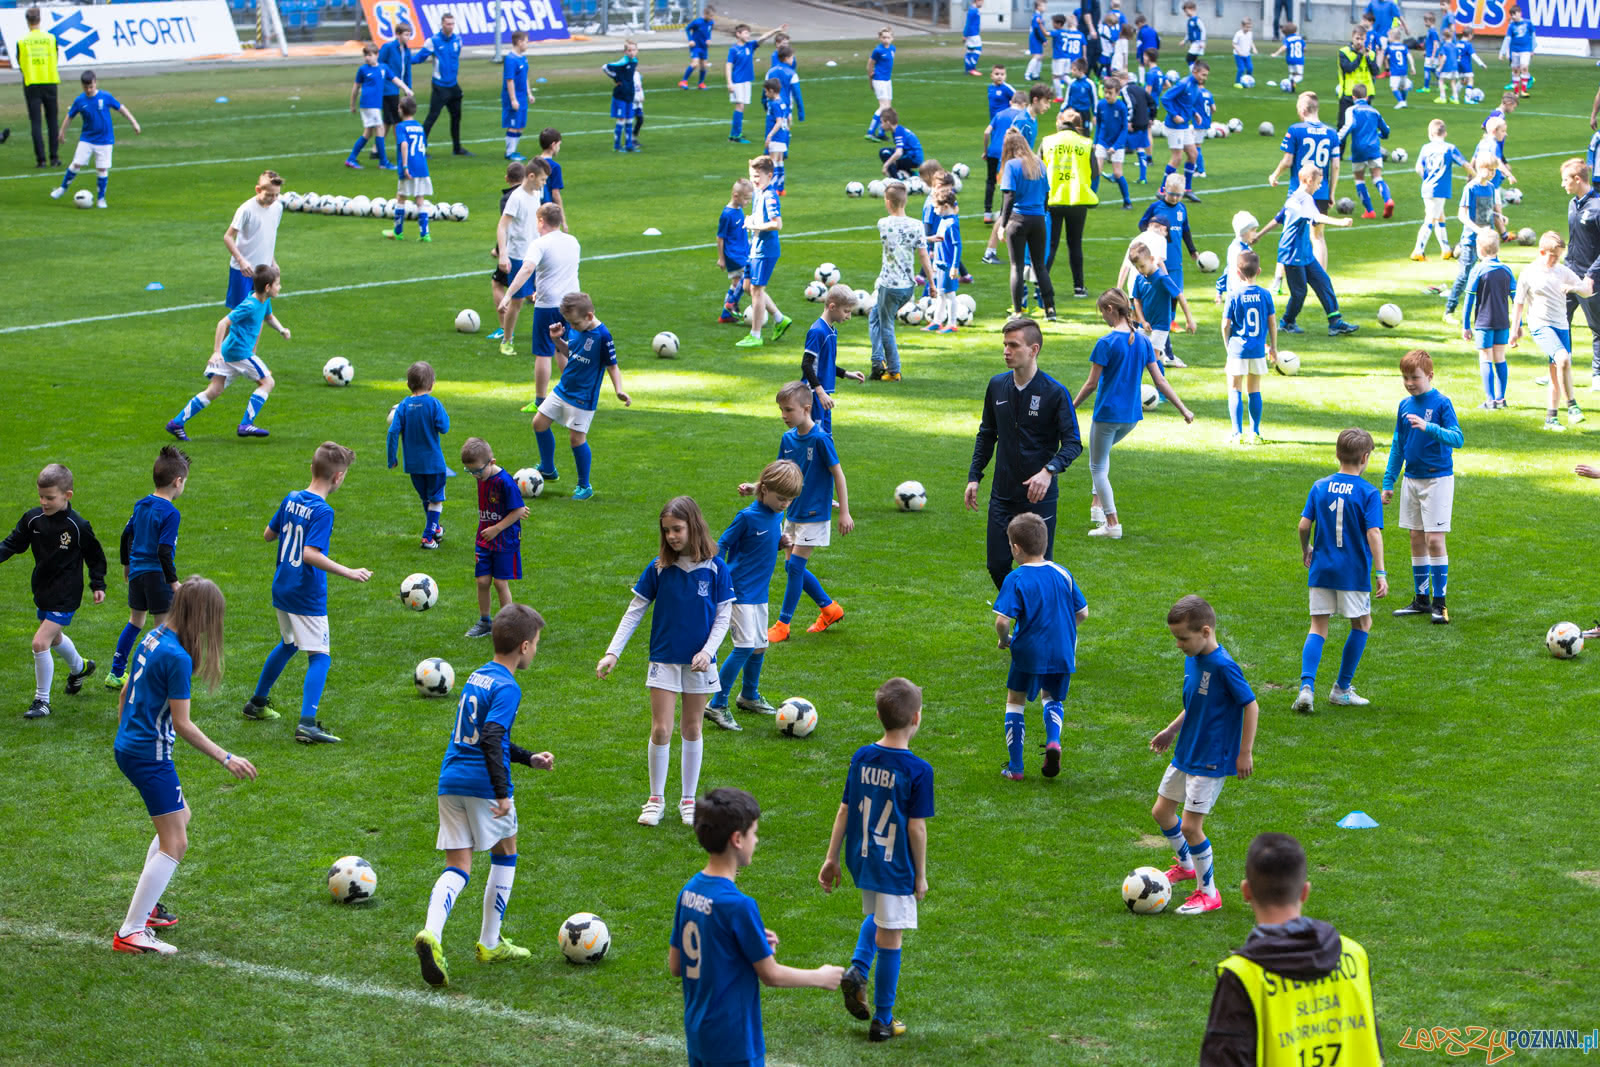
column 521, row 207
column 1243, row 43
column 257, row 231
column 901, row 235
column 1545, row 289
column 555, row 256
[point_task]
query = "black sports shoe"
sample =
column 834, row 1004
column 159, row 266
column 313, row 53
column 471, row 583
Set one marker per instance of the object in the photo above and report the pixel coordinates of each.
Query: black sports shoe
column 854, row 987
column 160, row 916
column 1441, row 614
column 1189, row 196
column 1419, row 606
column 75, row 679
column 877, row 373
column 462, row 152
column 884, row 1031
column 37, row 710
column 313, row 734
column 1052, row 761
column 263, row 710
column 481, row 628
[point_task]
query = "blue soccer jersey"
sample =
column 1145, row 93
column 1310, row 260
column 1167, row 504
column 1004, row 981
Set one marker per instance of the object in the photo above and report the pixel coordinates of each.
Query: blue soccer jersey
column 1399, row 56
column 1156, row 293
column 1520, row 36
column 1424, row 453
column 1080, row 97
column 418, row 421
column 1122, row 356
column 743, row 58
column 160, row 673
column 947, row 244
column 1299, row 214
column 750, row 545
column 973, row 25
column 1447, row 56
column 553, row 183
column 1002, row 121
column 788, row 85
column 885, row 789
column 589, row 353
column 96, row 111
column 498, row 496
column 777, row 128
column 395, row 59
column 1491, row 290
column 1465, row 54
column 822, row 359
column 882, row 62
column 719, row 936
column 1176, row 217
column 1365, row 127
column 1044, row 600
column 1215, row 695
column 735, row 238
column 1194, row 31
column 999, row 98
column 1312, row 142
column 686, row 597
column 371, row 78
column 1073, row 42
column 910, row 148
column 814, row 454
column 303, row 520
column 1294, row 50
column 1205, row 108
column 244, row 328
column 765, row 209
column 1342, row 508
column 514, row 69
column 698, row 31
column 621, row 71
column 1110, row 123
column 1058, row 43
column 1037, row 34
column 154, row 523
column 1434, row 163
column 1248, row 312
column 490, row 695
column 1431, row 43
column 410, row 137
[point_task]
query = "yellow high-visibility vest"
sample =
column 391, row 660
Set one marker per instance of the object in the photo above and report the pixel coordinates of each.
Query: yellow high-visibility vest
column 1362, row 75
column 1066, row 157
column 35, row 54
column 1326, row 1021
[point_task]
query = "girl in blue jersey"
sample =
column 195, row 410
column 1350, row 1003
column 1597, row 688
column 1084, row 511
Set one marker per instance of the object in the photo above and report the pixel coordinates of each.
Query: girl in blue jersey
column 692, row 590
column 154, row 711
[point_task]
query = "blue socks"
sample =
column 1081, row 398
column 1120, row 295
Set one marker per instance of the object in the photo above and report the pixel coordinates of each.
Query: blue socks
column 730, row 670
column 383, row 155
column 1354, row 645
column 1180, row 847
column 1016, row 727
column 355, row 152
column 1383, row 187
column 125, row 641
column 1439, row 575
column 1188, row 176
column 1199, row 162
column 430, row 520
column 1052, row 722
column 582, row 457
column 195, row 406
column 277, row 660
column 253, row 407
column 777, row 175
column 547, row 447
column 795, row 569
column 970, row 60
column 1486, row 372
column 1144, row 166
column 752, row 676
column 1255, row 411
column 875, row 126
column 1122, row 184
column 66, row 179
column 737, row 129
column 1236, row 410
column 687, row 71
column 866, row 945
column 422, row 219
column 814, row 590
column 1366, row 197
column 887, row 981
column 399, row 216
column 316, row 681
column 1502, row 373
column 100, row 185
column 1311, row 658
column 1419, row 574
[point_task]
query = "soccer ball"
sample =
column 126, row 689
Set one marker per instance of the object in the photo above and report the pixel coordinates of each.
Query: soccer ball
column 360, row 206
column 927, row 305
column 328, row 205
column 910, row 496
column 827, row 274
column 1217, row 129
column 1158, row 128
column 665, row 344
column 291, row 201
column 1148, row 396
column 1028, row 275
column 1345, row 206
column 83, row 198
column 351, row 880
column 1564, row 640
column 963, row 314
column 960, row 170
column 1286, row 85
column 815, row 291
column 1171, row 76
column 1207, row 261
column 459, row 212
column 865, row 301
column 854, row 189
column 955, row 183
column 911, row 313
column 1288, row 363
column 1146, row 891
column 440, row 210
column 379, row 208
column 1266, row 129
column 1390, row 316
column 338, row 371
column 342, row 205
column 310, row 202
column 411, row 210
column 584, row 938
column 418, row 591
column 1236, row 125
column 915, row 184
column 467, row 320
column 1473, row 95
column 1399, row 155
column 434, row 677
column 875, row 188
column 796, row 718
column 1511, row 195
column 1248, row 81
column 530, row 483
column 965, row 300
column 1526, row 236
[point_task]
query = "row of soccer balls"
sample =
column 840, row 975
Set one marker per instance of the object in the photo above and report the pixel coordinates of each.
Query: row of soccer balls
column 376, row 207
column 914, row 184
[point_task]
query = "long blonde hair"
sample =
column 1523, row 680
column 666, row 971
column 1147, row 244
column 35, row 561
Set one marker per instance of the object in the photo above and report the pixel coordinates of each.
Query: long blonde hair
column 196, row 617
column 1015, row 146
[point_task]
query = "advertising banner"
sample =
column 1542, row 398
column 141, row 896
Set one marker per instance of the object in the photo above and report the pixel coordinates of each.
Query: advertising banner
column 132, row 33
column 414, row 21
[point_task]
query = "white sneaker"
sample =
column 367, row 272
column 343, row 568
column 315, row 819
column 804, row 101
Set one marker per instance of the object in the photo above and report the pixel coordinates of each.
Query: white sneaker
column 1594, row 383
column 1113, row 532
column 101, row 202
column 1235, row 439
column 143, row 941
column 686, row 810
column 1304, row 702
column 1346, row 698
column 1555, row 425
column 57, row 193
column 650, row 814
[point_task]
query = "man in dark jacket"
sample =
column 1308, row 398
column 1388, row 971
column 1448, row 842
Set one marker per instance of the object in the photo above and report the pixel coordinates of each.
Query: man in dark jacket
column 1583, row 248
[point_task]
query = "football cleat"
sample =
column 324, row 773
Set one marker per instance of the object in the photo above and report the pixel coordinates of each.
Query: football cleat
column 1441, row 615
column 312, row 733
column 507, row 348
column 826, row 618
column 722, row 717
column 1388, row 208
column 113, row 681
column 160, row 916
column 1052, row 760
column 1419, row 257
column 749, row 340
column 250, row 429
column 431, row 956
column 1419, row 606
column 1347, row 698
column 175, row 428
column 781, row 327
column 76, row 679
column 504, row 952
column 497, row 335
column 37, row 710
column 1369, row 214
column 263, row 710
column 583, row 492
column 891, row 376
column 142, row 941
column 1305, row 701
column 57, row 192
column 1200, row 902
column 481, row 628
column 853, row 985
column 1339, row 328
column 650, row 814
column 777, row 633
column 756, row 704
column 1010, row 775
column 1179, row 873
column 884, row 1031
column 430, row 542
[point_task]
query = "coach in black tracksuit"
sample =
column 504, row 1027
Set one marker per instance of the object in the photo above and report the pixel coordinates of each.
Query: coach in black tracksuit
column 1031, row 430
column 1583, row 246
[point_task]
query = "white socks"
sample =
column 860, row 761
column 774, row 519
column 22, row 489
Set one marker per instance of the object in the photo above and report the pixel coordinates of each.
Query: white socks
column 69, row 653
column 44, row 672
column 158, row 871
column 511, row 144
column 1204, row 876
column 443, row 898
column 657, row 757
column 692, row 751
column 496, row 895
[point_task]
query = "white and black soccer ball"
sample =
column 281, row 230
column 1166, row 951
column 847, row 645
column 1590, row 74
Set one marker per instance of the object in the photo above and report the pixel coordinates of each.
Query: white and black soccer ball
column 1266, row 129
column 963, row 314
column 343, row 205
column 434, row 677
column 796, row 717
column 584, row 938
column 1564, row 640
column 1236, row 125
column 360, row 206
column 1146, row 891
column 328, row 205
column 1149, row 396
column 459, row 212
column 1511, row 194
column 1288, row 362
column 916, row 185
column 911, row 313
column 351, row 880
column 875, row 188
column 854, row 189
column 927, row 304
column 530, row 482
column 291, row 201
column 865, row 301
column 826, row 273
column 1207, row 261
column 960, row 170
column 83, row 198
column 1399, row 155
column 1390, row 316
column 1286, row 85
column 441, row 209
column 1170, row 77
column 1345, row 206
column 1158, row 128
column 411, row 210
column 310, row 202
column 467, row 320
column 966, row 300
column 419, row 592
column 1526, row 236
column 665, row 344
column 378, row 208
column 910, row 496
column 1248, row 81
column 1474, row 95
column 338, row 371
column 815, row 291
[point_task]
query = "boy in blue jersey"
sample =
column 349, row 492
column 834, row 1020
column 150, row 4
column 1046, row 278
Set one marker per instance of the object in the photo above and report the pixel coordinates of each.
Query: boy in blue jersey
column 366, row 100
column 411, row 146
column 946, row 276
column 62, row 542
column 1310, row 141
column 1432, row 43
column 1397, row 57
column 1426, row 433
column 1364, row 126
column 739, row 71
column 1141, row 109
column 1479, row 210
column 1250, row 335
column 396, row 59
column 476, row 810
column 882, row 826
column 1520, row 43
column 1435, row 163
column 994, row 136
column 1215, row 733
column 498, row 548
column 586, row 352
column 819, row 365
column 972, row 38
column 903, row 154
column 1044, row 604
column 751, row 544
column 234, row 356
column 776, row 138
column 148, row 552
column 783, row 68
column 880, row 72
column 514, row 94
column 733, row 249
column 1110, row 137
column 1146, row 39
column 418, row 420
column 1059, row 62
column 97, row 138
column 1449, row 53
column 1486, row 318
column 719, row 946
column 621, row 72
column 303, row 528
column 1037, row 35
column 1347, row 515
column 1155, row 291
column 806, row 523
column 698, row 31
column 1182, row 104
column 549, row 147
column 1080, row 89
column 1300, row 216
column 1466, row 56
column 1194, row 33
column 1292, row 47
column 764, row 223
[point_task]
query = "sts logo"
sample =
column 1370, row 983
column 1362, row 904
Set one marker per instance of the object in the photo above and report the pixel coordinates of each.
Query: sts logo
column 394, row 19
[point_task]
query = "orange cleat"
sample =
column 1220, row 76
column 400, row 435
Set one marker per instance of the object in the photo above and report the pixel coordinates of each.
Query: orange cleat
column 829, row 615
column 1388, row 208
column 777, row 632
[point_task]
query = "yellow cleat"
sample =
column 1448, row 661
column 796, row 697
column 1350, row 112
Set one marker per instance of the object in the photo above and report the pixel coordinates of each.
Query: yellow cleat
column 431, row 956
column 504, row 952
column 1418, row 257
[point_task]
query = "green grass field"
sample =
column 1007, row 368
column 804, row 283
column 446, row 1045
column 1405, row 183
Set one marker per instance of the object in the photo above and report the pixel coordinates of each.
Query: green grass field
column 1476, row 898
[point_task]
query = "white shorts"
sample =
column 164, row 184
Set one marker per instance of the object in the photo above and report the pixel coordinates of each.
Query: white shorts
column 1158, row 341
column 1448, row 75
column 1238, row 366
column 1362, row 165
column 1058, row 68
column 678, row 678
column 1425, row 503
column 415, row 187
column 1402, row 83
column 1195, row 792
column 813, row 534
column 229, row 369
column 973, row 43
column 1178, row 139
column 467, row 822
column 891, row 912
column 308, row 633
column 883, row 90
column 100, row 153
column 749, row 626
column 370, row 117
column 1521, row 59
column 1297, row 71
column 1346, row 603
column 559, row 411
column 1102, row 153
column 739, row 93
column 1433, row 208
column 777, row 149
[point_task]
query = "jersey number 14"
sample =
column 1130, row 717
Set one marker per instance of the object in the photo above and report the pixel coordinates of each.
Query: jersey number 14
column 883, row 834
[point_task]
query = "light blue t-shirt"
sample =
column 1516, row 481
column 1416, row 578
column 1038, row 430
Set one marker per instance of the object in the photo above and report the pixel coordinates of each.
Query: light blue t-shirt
column 1122, row 356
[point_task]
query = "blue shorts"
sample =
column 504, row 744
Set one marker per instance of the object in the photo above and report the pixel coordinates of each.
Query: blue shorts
column 527, row 286
column 735, row 266
column 149, row 592
column 240, row 285
column 513, row 118
column 1490, row 338
column 948, row 278
column 156, row 780
column 1021, row 681
column 621, row 109
column 430, row 487
column 543, row 319
column 1136, row 139
column 62, row 619
column 502, row 564
column 697, row 51
column 1552, row 341
column 759, row 271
